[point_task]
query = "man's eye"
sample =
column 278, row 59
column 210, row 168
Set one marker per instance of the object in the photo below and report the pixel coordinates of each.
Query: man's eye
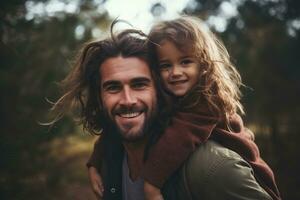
column 139, row 85
column 113, row 88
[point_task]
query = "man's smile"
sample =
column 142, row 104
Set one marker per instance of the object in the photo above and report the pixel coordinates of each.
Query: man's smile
column 127, row 117
column 130, row 114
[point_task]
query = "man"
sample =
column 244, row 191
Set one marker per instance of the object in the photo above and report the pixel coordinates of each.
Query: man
column 118, row 94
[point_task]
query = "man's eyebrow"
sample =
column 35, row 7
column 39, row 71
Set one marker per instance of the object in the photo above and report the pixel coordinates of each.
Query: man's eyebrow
column 141, row 79
column 110, row 82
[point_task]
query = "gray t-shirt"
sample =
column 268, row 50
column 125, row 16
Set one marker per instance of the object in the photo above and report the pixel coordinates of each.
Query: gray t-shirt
column 131, row 190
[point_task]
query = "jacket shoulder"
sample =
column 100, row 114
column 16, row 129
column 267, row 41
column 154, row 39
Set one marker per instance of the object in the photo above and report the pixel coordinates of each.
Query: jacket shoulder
column 216, row 172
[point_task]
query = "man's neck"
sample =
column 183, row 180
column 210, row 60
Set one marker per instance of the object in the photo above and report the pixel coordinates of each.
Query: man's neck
column 135, row 155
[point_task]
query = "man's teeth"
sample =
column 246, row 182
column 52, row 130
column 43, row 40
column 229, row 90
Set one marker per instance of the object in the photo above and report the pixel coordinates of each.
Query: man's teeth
column 130, row 115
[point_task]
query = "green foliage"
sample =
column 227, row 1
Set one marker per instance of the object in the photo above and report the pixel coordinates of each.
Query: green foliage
column 34, row 55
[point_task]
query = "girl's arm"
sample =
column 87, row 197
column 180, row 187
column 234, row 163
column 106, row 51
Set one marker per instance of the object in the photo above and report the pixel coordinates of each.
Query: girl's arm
column 93, row 165
column 152, row 192
column 95, row 158
column 96, row 182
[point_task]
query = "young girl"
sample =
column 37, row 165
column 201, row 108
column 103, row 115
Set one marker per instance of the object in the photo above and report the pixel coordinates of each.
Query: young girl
column 195, row 70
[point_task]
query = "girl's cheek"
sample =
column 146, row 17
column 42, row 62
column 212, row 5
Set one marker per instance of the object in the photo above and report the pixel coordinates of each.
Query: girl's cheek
column 164, row 80
column 163, row 76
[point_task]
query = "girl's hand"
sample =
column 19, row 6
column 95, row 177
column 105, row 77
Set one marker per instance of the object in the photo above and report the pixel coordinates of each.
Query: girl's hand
column 152, row 192
column 96, row 182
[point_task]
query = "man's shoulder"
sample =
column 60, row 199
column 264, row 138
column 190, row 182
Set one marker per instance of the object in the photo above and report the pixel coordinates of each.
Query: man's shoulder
column 214, row 171
column 212, row 153
column 211, row 159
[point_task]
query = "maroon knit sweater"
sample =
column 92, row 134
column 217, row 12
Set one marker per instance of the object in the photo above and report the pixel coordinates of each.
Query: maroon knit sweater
column 188, row 130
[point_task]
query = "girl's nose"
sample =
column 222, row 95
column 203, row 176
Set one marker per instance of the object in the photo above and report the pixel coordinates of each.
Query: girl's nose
column 175, row 71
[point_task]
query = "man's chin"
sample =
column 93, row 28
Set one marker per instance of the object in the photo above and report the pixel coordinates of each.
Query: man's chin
column 132, row 135
column 131, row 129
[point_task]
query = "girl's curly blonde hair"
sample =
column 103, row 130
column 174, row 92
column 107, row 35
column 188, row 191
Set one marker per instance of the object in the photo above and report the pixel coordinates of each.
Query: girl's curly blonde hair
column 219, row 81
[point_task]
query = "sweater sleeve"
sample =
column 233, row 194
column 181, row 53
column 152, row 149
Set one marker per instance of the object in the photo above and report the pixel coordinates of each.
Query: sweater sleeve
column 95, row 158
column 178, row 141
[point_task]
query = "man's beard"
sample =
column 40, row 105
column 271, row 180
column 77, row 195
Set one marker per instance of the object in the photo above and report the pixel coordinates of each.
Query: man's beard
column 111, row 127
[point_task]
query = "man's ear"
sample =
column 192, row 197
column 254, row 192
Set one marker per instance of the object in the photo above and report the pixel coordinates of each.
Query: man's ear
column 99, row 88
column 99, row 100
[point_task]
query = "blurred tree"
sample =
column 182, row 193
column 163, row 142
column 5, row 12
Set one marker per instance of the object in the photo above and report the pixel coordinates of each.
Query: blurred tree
column 34, row 54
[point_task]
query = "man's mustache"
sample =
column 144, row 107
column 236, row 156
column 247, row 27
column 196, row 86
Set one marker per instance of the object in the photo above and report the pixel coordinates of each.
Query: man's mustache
column 128, row 109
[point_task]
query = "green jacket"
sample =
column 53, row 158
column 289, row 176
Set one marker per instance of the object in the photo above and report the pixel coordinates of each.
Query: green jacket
column 211, row 172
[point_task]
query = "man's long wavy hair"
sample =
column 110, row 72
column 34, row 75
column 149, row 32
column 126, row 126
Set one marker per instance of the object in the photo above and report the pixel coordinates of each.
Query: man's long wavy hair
column 81, row 87
column 219, row 81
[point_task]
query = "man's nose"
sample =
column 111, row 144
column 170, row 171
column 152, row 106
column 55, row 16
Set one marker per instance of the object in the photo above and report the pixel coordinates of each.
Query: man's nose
column 128, row 97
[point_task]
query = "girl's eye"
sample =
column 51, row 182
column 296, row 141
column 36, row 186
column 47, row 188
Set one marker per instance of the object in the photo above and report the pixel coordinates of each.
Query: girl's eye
column 187, row 61
column 164, row 66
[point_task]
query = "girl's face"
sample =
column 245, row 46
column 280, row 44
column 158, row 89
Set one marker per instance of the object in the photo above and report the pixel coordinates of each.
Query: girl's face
column 179, row 70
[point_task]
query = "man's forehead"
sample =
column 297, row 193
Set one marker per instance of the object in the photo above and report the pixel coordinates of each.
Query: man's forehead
column 124, row 69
